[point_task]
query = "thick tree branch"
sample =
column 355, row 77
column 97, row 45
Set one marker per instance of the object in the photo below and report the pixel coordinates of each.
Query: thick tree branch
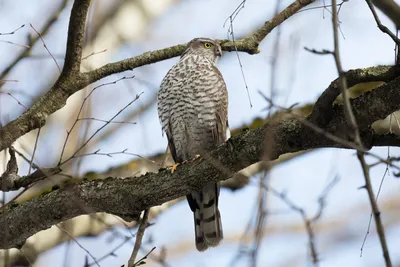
column 353, row 77
column 76, row 32
column 128, row 197
column 71, row 80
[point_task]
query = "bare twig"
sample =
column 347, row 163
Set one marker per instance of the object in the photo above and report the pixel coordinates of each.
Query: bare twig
column 342, row 80
column 370, row 218
column 7, row 80
column 95, row 119
column 139, row 237
column 141, row 261
column 81, row 109
column 45, row 46
column 99, row 129
column 12, row 43
column 231, row 35
column 94, row 53
column 318, row 52
column 308, row 221
column 375, row 210
column 112, row 252
column 110, row 154
column 34, row 150
column 33, row 41
column 13, row 97
column 76, row 241
column 14, row 31
column 357, row 139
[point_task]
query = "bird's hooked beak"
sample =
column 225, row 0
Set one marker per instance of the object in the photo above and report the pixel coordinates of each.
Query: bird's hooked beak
column 218, row 51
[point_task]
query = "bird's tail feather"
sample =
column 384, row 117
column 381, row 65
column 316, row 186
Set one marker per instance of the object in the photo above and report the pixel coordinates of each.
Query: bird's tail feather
column 207, row 219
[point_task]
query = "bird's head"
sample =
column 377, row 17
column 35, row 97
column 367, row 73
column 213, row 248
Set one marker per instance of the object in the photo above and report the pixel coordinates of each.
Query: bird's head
column 204, row 47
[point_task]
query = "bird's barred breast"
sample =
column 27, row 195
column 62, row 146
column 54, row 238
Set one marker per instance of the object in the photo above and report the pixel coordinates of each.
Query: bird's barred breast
column 195, row 91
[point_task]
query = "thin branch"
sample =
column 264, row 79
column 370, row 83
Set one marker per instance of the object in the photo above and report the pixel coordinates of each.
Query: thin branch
column 50, row 22
column 350, row 118
column 45, row 46
column 99, row 129
column 231, row 35
column 81, row 109
column 100, row 120
column 308, row 221
column 139, row 236
column 375, row 211
column 13, row 97
column 110, row 154
column 14, row 31
column 342, row 79
column 141, row 261
column 370, row 218
column 76, row 241
column 318, row 52
column 34, row 150
column 12, row 43
column 94, row 53
column 7, row 81
column 112, row 252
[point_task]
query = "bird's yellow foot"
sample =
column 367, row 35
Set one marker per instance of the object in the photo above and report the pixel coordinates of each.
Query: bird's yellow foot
column 173, row 167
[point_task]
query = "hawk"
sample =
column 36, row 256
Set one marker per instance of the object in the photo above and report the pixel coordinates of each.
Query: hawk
column 192, row 106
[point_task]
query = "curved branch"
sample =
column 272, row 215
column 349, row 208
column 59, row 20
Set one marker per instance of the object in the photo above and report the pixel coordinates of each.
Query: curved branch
column 353, row 77
column 128, row 197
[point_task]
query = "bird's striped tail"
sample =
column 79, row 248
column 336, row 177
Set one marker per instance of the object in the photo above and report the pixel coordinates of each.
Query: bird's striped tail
column 207, row 219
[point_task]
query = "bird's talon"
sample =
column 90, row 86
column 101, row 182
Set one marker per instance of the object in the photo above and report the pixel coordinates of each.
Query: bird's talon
column 173, row 167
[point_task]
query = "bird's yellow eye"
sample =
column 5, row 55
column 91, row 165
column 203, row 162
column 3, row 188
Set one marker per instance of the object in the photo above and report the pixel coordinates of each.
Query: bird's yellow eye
column 207, row 45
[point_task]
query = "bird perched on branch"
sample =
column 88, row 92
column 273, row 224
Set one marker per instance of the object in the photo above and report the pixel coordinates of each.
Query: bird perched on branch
column 193, row 110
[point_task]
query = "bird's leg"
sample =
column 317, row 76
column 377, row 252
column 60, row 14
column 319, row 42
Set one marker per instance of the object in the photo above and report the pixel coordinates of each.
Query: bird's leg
column 173, row 167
